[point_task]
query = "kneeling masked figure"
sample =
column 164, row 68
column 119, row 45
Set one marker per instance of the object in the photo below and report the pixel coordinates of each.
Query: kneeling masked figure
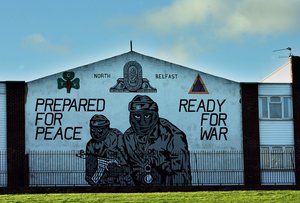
column 105, row 164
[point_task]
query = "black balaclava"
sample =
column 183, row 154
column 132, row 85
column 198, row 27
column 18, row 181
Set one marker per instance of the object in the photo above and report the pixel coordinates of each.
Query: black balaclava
column 99, row 127
column 143, row 116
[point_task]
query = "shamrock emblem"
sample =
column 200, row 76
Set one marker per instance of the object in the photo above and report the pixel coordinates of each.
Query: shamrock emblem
column 68, row 82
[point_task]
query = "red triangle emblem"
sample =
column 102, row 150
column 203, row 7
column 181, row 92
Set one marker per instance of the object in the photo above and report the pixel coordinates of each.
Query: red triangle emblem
column 198, row 86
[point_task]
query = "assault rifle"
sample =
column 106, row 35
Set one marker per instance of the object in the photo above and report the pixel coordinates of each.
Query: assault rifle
column 102, row 164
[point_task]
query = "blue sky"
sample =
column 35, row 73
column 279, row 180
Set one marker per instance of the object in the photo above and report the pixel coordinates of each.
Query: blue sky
column 227, row 38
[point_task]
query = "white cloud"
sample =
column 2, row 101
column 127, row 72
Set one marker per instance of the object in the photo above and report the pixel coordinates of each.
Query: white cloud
column 261, row 17
column 177, row 52
column 180, row 14
column 21, row 67
column 37, row 40
column 226, row 18
column 182, row 50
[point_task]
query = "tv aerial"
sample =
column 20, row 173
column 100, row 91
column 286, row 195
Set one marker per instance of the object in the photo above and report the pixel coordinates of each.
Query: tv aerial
column 286, row 49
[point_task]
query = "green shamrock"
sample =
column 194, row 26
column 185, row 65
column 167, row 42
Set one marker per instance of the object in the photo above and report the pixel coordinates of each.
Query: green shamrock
column 68, row 82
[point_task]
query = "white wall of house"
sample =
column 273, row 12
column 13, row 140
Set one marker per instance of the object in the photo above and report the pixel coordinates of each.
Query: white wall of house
column 218, row 111
column 277, row 136
column 276, row 131
column 211, row 120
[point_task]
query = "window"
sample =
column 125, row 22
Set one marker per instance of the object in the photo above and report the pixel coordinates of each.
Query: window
column 277, row 157
column 277, row 161
column 275, row 107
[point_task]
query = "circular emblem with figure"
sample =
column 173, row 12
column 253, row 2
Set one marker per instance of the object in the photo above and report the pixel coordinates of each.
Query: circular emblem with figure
column 133, row 76
column 148, row 179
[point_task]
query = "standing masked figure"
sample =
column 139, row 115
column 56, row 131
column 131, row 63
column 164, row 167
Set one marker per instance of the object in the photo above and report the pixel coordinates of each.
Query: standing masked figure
column 157, row 150
column 105, row 164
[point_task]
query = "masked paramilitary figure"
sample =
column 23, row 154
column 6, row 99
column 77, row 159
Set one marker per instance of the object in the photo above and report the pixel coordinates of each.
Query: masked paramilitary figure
column 105, row 164
column 157, row 150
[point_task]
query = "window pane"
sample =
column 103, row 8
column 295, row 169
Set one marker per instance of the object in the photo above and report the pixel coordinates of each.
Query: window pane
column 263, row 107
column 275, row 110
column 290, row 160
column 275, row 99
column 265, row 158
column 287, row 105
column 277, row 158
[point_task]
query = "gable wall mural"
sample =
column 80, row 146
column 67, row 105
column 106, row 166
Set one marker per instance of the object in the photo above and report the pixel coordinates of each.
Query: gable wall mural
column 133, row 119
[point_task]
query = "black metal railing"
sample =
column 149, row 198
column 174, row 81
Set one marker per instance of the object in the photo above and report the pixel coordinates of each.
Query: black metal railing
column 64, row 168
column 217, row 167
column 3, row 169
column 277, row 166
column 56, row 168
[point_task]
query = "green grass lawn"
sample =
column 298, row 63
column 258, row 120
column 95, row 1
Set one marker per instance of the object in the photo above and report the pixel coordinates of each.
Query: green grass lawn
column 165, row 197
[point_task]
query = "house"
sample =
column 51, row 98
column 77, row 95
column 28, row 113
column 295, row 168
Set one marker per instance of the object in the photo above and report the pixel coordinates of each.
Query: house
column 134, row 120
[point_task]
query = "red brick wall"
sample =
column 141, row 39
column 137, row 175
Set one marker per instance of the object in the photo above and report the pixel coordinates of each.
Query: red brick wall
column 16, row 134
column 251, row 134
column 296, row 111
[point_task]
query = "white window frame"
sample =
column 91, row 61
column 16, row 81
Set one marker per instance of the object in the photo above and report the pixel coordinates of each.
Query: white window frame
column 277, row 157
column 269, row 103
